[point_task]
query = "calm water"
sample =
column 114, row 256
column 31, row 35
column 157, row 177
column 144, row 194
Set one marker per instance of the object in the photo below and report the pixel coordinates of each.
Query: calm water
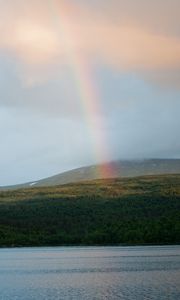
column 127, row 273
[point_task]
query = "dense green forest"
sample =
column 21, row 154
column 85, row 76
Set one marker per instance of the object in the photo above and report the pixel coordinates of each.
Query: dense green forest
column 129, row 211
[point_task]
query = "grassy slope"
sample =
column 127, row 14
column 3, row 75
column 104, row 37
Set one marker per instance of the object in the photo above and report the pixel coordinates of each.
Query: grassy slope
column 144, row 210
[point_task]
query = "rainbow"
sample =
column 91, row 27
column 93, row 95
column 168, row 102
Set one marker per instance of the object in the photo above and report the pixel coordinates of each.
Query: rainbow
column 90, row 100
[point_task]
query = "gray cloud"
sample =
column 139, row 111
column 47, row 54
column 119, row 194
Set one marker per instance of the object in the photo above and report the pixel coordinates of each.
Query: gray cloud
column 34, row 147
column 45, row 125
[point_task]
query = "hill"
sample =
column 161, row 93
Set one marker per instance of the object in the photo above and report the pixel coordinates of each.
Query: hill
column 128, row 211
column 131, row 168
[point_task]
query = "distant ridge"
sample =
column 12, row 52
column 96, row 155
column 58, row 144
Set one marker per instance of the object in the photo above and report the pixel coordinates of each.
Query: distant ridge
column 121, row 168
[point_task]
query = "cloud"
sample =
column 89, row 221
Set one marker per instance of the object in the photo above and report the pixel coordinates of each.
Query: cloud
column 53, row 97
column 138, row 36
column 45, row 44
column 158, row 16
column 41, row 146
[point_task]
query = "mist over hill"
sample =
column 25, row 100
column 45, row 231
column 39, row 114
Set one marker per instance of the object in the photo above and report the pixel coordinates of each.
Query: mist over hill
column 115, row 169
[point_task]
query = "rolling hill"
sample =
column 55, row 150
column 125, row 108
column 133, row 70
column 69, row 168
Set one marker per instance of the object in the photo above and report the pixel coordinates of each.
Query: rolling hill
column 131, row 168
column 126, row 211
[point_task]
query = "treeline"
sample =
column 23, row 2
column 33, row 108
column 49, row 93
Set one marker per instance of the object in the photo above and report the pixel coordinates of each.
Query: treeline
column 128, row 219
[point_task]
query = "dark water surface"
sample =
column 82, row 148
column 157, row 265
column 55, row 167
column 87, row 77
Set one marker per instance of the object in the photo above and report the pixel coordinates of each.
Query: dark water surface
column 127, row 273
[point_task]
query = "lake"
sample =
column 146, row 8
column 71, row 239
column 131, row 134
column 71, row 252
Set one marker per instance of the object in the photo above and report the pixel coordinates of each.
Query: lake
column 127, row 273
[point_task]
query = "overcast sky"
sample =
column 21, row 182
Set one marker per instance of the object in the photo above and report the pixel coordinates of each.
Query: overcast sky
column 87, row 81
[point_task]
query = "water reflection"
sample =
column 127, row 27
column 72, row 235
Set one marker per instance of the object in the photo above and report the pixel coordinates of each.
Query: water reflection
column 126, row 273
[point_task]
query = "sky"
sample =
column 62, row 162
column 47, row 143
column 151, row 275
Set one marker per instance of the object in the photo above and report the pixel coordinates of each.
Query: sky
column 83, row 82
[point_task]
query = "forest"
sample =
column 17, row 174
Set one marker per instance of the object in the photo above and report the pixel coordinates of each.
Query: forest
column 121, row 211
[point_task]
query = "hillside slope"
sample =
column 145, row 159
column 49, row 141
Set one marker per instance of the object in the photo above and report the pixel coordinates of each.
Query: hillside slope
column 116, row 169
column 143, row 210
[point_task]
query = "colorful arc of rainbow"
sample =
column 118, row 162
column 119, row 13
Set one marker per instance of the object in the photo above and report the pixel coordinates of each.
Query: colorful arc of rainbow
column 87, row 91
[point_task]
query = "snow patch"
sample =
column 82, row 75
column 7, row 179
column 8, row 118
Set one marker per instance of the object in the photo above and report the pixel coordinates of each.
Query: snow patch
column 33, row 183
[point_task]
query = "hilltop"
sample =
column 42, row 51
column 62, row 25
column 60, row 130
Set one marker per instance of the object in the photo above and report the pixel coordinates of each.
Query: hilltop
column 120, row 168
